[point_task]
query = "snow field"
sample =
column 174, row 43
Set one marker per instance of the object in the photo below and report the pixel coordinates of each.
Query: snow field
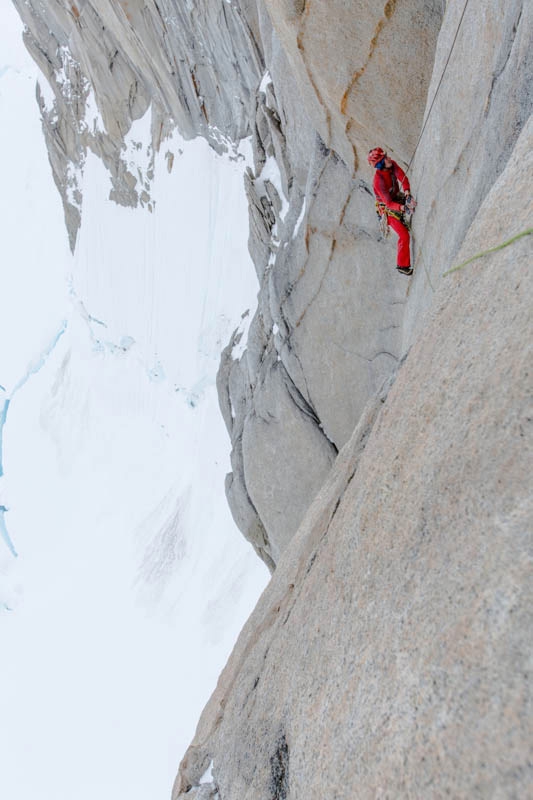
column 131, row 581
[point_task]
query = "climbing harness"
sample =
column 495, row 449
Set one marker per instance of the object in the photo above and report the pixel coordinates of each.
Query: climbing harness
column 397, row 193
column 384, row 213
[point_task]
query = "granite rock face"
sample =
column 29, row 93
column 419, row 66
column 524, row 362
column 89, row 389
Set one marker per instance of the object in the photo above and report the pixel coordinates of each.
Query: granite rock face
column 294, row 77
column 196, row 65
column 390, row 655
column 327, row 331
column 484, row 100
column 380, row 427
column 351, row 60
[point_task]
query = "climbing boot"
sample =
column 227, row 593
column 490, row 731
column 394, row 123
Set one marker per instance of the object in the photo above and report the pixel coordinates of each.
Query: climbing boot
column 405, row 270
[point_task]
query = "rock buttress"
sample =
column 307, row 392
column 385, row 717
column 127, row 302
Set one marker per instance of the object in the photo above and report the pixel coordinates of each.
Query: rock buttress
column 392, row 647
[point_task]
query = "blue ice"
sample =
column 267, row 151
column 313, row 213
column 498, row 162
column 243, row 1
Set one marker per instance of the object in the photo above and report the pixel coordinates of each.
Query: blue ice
column 33, row 368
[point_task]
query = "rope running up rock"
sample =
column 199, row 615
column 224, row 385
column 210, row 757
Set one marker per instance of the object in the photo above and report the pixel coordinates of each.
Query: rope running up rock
column 439, row 85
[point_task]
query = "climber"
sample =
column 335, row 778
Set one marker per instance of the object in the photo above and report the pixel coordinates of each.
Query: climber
column 393, row 199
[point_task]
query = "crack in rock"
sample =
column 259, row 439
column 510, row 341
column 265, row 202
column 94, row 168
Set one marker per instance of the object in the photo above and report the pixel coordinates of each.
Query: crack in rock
column 388, row 11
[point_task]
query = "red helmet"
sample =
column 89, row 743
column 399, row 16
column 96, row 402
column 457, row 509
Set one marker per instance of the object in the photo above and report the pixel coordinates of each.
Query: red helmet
column 375, row 156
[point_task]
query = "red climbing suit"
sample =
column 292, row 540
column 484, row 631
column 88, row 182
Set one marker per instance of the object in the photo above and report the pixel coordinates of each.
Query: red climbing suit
column 387, row 183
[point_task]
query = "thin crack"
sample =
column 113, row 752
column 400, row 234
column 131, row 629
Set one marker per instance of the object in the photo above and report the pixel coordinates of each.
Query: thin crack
column 388, row 12
column 331, row 253
column 300, row 44
column 368, row 359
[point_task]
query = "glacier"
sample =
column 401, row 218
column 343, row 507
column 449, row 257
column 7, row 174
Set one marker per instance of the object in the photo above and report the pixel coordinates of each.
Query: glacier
column 123, row 579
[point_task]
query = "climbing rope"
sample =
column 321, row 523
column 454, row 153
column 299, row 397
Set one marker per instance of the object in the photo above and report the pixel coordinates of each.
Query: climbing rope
column 527, row 232
column 439, row 85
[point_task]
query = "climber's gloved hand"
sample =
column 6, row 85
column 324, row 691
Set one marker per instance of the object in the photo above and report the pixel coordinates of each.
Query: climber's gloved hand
column 410, row 203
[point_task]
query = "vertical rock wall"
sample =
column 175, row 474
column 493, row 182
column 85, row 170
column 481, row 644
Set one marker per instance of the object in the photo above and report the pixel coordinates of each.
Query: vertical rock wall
column 311, row 83
column 197, row 66
column 328, row 326
column 390, row 655
column 484, row 99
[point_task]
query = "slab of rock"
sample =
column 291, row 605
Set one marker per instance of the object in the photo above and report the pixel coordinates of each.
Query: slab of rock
column 296, row 77
column 470, row 133
column 315, row 85
column 357, row 71
column 330, row 304
column 390, row 654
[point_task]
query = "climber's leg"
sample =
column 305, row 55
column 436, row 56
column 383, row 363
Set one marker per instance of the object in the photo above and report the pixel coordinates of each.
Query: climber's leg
column 403, row 257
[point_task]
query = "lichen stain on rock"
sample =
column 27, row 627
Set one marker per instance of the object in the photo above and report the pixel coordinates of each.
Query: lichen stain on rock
column 309, row 231
column 389, row 8
column 355, row 158
column 388, row 11
column 199, row 96
column 305, row 8
column 125, row 7
column 355, row 162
